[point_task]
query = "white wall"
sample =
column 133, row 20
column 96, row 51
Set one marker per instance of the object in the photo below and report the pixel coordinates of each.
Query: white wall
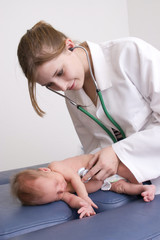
column 144, row 20
column 25, row 138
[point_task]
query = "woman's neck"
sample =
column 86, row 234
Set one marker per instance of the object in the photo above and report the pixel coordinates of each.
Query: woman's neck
column 89, row 86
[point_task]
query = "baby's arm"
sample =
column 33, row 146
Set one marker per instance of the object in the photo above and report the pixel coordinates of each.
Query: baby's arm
column 71, row 176
column 84, row 208
column 80, row 188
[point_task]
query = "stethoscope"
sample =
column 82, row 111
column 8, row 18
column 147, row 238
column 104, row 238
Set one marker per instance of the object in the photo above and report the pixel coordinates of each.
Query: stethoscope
column 81, row 108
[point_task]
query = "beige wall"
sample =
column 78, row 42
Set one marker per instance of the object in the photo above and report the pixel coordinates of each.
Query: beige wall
column 144, row 20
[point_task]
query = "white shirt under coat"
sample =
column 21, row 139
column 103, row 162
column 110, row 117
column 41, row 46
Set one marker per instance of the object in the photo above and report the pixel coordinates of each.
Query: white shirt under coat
column 127, row 72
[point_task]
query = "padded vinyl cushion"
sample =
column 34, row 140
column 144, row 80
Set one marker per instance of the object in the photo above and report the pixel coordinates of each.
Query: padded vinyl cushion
column 134, row 221
column 107, row 200
column 16, row 219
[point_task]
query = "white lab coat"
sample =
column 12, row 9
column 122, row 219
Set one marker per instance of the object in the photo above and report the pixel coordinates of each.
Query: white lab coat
column 128, row 73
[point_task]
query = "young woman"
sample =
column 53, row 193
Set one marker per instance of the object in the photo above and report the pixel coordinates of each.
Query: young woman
column 128, row 74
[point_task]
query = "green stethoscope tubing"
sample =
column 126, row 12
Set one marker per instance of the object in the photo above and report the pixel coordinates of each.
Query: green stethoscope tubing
column 81, row 108
column 108, row 116
column 102, row 104
column 98, row 122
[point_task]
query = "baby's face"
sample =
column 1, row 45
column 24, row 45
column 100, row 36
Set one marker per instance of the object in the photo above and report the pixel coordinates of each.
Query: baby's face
column 52, row 185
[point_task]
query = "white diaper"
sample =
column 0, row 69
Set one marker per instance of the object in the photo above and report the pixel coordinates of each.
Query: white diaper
column 108, row 181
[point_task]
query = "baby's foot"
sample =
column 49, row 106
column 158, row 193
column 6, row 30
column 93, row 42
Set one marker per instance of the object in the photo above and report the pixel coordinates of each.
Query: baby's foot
column 148, row 193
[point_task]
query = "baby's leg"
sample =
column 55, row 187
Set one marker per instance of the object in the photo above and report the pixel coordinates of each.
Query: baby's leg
column 123, row 171
column 146, row 191
column 93, row 185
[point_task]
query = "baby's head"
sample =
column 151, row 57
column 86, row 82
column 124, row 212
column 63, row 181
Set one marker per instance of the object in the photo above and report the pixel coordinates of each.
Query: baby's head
column 35, row 187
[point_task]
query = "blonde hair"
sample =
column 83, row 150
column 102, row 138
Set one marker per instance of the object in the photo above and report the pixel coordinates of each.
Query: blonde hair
column 23, row 187
column 40, row 44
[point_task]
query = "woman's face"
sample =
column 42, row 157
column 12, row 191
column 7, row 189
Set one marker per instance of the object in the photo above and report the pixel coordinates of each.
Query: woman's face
column 65, row 72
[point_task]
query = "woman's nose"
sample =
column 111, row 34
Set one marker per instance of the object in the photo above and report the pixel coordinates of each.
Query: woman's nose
column 61, row 84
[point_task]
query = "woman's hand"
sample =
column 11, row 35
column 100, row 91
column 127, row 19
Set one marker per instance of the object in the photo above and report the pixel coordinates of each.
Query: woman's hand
column 103, row 164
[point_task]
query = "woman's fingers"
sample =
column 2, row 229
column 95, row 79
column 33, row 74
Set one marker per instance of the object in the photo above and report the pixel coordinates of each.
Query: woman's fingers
column 92, row 167
column 101, row 175
column 102, row 165
column 92, row 172
column 92, row 162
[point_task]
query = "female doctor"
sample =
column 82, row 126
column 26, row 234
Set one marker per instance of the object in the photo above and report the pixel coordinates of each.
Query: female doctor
column 127, row 71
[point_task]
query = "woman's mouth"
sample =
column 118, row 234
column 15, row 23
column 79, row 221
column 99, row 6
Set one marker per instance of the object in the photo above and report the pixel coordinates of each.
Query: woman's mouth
column 72, row 86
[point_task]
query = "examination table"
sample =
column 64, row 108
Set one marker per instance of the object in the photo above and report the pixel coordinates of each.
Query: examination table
column 119, row 217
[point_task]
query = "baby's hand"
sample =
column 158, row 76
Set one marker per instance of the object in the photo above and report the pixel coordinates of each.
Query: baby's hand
column 89, row 200
column 86, row 210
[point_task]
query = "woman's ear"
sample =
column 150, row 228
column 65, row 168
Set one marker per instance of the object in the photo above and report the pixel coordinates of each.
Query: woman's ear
column 69, row 44
column 44, row 169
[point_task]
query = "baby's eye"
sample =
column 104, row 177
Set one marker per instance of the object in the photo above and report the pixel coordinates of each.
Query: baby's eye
column 60, row 73
column 59, row 192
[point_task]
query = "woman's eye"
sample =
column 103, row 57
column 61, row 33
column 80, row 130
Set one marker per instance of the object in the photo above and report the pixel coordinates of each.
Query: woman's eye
column 49, row 84
column 60, row 73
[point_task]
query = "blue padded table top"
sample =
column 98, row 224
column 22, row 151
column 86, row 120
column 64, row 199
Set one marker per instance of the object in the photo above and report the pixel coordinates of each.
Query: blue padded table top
column 16, row 219
column 135, row 221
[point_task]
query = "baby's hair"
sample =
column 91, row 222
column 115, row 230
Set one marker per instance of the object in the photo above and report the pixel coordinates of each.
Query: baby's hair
column 40, row 44
column 23, row 187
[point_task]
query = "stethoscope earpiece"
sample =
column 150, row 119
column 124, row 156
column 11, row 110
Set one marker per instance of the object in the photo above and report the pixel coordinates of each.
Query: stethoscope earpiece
column 71, row 49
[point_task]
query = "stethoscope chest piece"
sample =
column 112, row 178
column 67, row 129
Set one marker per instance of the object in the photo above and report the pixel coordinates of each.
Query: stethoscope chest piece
column 83, row 171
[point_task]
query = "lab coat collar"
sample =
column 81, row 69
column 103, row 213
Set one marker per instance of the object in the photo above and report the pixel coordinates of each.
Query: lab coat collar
column 101, row 66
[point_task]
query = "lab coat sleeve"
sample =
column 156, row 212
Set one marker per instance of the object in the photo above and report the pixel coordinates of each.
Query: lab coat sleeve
column 140, row 152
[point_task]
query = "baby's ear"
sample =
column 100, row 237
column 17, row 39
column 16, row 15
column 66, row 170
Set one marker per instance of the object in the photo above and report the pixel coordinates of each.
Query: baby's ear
column 44, row 169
